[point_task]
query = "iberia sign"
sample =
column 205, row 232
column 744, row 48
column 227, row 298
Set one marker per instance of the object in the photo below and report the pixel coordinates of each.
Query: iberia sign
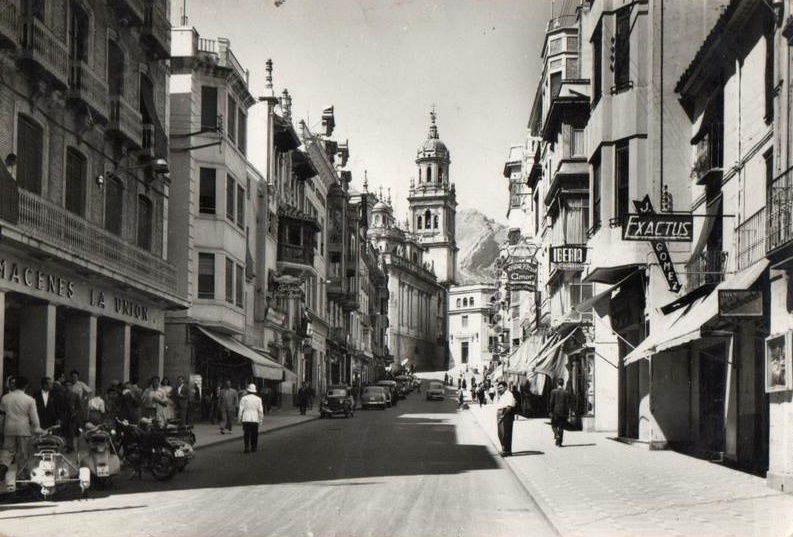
column 569, row 255
column 658, row 227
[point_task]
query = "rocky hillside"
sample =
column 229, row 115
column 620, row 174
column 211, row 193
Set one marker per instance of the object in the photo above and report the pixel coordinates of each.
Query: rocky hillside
column 478, row 238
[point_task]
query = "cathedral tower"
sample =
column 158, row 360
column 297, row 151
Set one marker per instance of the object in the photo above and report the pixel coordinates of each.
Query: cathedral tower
column 433, row 206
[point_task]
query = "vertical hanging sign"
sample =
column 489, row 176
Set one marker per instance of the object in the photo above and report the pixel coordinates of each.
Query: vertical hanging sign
column 645, row 207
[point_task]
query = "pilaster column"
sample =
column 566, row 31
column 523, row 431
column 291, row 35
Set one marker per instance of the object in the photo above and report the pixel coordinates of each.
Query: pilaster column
column 37, row 341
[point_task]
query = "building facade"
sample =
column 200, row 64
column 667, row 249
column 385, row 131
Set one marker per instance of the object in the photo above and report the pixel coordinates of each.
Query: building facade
column 470, row 334
column 84, row 278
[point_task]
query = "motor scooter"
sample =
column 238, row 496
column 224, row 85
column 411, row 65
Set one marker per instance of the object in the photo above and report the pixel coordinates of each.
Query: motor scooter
column 182, row 439
column 48, row 468
column 143, row 448
column 101, row 457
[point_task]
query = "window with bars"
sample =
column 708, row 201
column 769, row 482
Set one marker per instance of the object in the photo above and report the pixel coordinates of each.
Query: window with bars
column 621, row 180
column 114, row 205
column 622, row 49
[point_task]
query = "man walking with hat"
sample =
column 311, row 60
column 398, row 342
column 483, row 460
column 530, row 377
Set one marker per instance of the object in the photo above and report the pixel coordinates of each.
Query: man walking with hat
column 251, row 414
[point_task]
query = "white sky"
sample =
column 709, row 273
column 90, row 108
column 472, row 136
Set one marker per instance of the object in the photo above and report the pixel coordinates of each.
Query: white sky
column 383, row 64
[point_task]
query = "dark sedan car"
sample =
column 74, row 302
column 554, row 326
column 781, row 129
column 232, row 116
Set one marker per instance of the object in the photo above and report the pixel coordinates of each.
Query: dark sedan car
column 337, row 401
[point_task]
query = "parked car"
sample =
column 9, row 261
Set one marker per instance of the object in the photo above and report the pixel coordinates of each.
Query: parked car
column 338, row 401
column 392, row 388
column 375, row 397
column 435, row 390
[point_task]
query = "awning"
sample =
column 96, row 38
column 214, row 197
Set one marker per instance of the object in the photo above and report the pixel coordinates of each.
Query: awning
column 684, row 325
column 548, row 361
column 612, row 275
column 589, row 303
column 263, row 367
column 520, row 359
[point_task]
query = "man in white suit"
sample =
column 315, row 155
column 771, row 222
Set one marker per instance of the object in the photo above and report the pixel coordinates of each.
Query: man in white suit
column 20, row 423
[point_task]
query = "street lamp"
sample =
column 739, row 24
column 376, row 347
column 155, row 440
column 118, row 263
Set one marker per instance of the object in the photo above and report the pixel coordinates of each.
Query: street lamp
column 157, row 166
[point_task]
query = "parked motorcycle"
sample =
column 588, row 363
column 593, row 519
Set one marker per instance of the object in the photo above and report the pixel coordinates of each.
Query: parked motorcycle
column 48, row 469
column 182, row 439
column 143, row 447
column 101, row 458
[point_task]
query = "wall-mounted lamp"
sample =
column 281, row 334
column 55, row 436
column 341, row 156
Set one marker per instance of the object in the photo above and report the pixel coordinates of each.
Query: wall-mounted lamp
column 157, row 166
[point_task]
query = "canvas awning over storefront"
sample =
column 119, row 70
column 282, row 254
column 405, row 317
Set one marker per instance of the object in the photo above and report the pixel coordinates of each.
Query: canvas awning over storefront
column 551, row 361
column 685, row 324
column 263, row 367
column 520, row 359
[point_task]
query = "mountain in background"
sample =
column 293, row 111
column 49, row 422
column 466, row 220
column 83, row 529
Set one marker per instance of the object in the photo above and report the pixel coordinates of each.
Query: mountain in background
column 478, row 239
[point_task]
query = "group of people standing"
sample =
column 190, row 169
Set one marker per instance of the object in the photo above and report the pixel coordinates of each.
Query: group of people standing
column 507, row 410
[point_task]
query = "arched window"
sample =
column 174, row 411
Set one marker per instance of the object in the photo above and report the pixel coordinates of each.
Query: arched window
column 440, row 175
column 377, row 219
column 465, row 302
column 79, row 24
column 435, row 221
column 30, row 154
column 418, row 223
column 427, row 218
column 459, row 302
column 419, row 175
column 429, row 175
column 471, row 301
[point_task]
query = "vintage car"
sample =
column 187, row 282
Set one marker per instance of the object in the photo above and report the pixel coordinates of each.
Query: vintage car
column 435, row 390
column 338, row 401
column 375, row 397
column 391, row 386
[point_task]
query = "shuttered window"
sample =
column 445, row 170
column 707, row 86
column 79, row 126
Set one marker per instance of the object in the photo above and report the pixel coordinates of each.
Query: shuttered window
column 30, row 154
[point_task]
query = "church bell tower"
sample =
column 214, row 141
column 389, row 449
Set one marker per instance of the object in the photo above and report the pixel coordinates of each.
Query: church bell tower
column 433, row 206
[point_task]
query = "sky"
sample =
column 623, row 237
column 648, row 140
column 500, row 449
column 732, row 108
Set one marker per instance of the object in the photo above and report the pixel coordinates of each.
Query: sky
column 383, row 65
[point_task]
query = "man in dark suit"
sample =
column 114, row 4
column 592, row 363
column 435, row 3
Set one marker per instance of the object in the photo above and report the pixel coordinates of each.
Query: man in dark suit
column 560, row 409
column 46, row 404
column 181, row 398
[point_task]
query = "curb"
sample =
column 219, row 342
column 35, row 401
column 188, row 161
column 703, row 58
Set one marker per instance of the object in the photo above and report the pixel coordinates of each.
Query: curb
column 542, row 507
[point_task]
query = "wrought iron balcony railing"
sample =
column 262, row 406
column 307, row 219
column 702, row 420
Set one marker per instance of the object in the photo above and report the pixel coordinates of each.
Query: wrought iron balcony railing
column 43, row 49
column 710, row 154
column 780, row 212
column 86, row 87
column 125, row 121
column 54, row 225
column 130, row 12
column 156, row 30
column 751, row 239
column 706, row 268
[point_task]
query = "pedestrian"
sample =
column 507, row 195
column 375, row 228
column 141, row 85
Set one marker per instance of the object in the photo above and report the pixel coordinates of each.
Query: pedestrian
column 84, row 393
column 96, row 409
column 21, row 421
column 480, row 395
column 505, row 416
column 460, row 397
column 228, row 401
column 112, row 402
column 130, row 404
column 169, row 410
column 311, row 396
column 68, row 410
column 560, row 409
column 181, row 399
column 251, row 415
column 153, row 401
column 491, row 392
column 45, row 404
column 302, row 398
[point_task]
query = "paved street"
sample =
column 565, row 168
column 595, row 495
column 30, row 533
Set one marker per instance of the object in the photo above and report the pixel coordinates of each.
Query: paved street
column 423, row 469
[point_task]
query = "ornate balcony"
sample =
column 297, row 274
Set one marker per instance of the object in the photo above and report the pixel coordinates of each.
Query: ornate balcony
column 8, row 26
column 55, row 226
column 43, row 53
column 125, row 121
column 155, row 33
column 129, row 12
column 148, row 140
column 710, row 155
column 706, row 268
column 87, row 88
column 780, row 213
column 751, row 237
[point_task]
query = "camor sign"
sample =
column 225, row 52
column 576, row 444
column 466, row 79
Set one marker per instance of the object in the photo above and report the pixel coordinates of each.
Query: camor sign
column 522, row 276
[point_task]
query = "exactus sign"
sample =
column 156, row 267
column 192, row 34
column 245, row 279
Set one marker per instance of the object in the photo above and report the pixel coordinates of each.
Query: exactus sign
column 658, row 227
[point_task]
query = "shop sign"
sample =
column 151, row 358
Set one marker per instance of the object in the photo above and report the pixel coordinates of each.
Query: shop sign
column 522, row 275
column 288, row 290
column 645, row 208
column 648, row 225
column 568, row 257
column 740, row 303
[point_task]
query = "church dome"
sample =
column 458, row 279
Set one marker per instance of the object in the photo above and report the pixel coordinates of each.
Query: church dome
column 433, row 146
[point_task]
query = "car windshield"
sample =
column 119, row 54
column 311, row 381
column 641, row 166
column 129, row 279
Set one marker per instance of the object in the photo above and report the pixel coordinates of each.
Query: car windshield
column 373, row 390
column 337, row 393
column 436, row 386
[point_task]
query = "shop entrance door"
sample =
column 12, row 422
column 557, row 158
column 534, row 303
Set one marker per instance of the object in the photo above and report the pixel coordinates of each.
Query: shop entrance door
column 712, row 396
